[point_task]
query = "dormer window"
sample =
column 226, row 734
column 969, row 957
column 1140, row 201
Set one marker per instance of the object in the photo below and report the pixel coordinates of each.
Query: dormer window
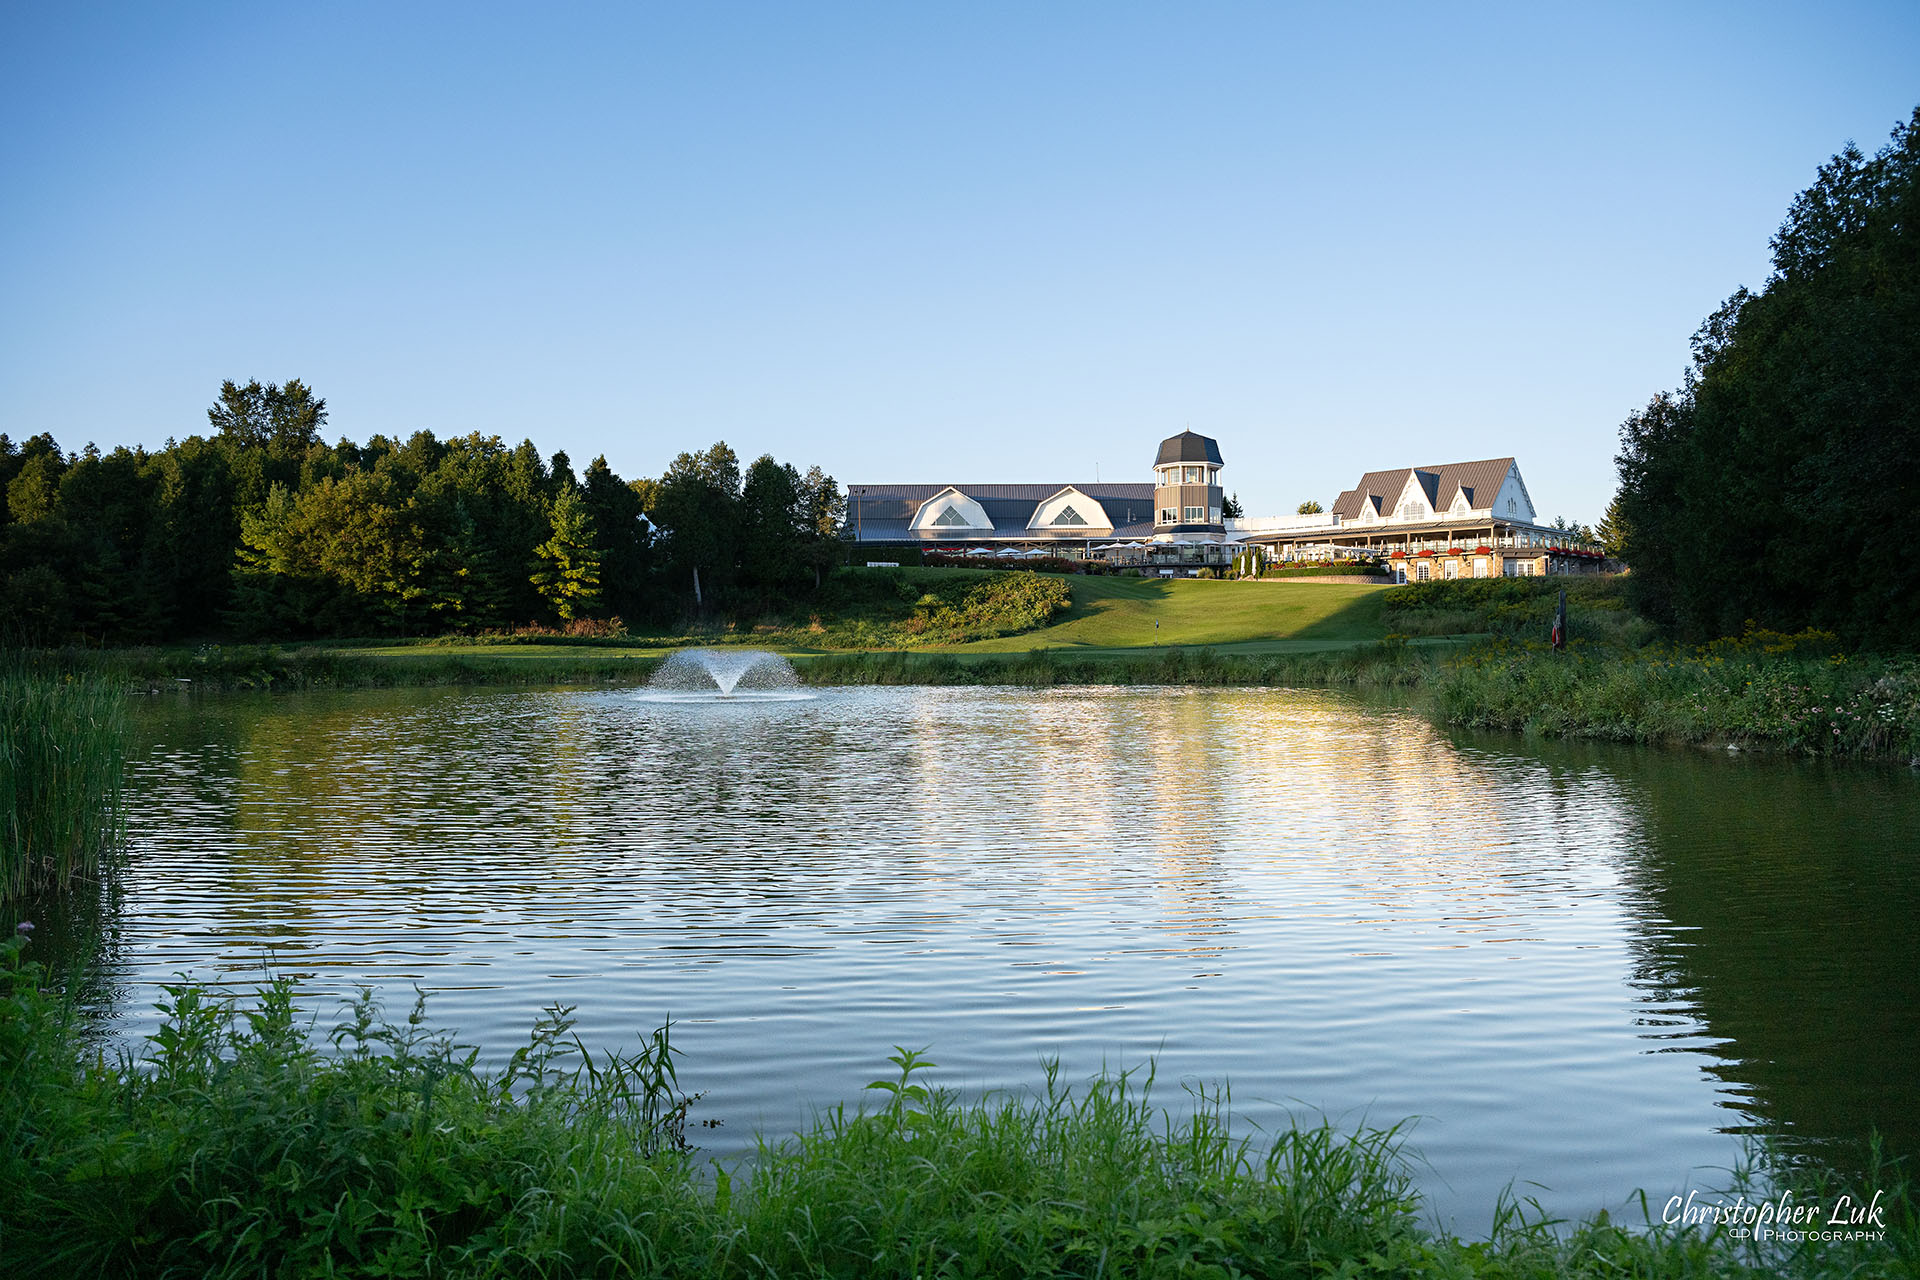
column 1068, row 516
column 950, row 518
column 1412, row 511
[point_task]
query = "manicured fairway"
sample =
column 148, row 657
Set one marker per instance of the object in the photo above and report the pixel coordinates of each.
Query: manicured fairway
column 1107, row 614
column 1119, row 613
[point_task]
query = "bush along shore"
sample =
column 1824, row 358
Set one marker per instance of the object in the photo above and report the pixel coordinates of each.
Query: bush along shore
column 230, row 1145
column 1763, row 690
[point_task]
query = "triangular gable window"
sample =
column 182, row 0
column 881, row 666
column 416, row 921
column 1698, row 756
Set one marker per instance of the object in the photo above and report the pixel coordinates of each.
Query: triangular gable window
column 1069, row 516
column 949, row 518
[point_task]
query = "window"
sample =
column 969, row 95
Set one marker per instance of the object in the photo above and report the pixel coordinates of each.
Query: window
column 1193, row 475
column 1412, row 510
column 1169, row 516
column 950, row 517
column 1213, row 515
column 1526, row 568
column 1453, row 568
column 1422, row 571
column 1480, row 568
column 1196, row 515
column 1069, row 516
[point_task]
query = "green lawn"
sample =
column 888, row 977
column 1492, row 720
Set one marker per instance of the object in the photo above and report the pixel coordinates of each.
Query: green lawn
column 1252, row 617
column 1116, row 614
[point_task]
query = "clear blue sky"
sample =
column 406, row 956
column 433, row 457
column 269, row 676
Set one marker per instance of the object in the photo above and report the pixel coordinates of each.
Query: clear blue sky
column 915, row 242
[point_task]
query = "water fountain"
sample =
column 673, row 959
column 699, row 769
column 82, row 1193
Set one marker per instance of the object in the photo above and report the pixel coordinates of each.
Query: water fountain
column 734, row 675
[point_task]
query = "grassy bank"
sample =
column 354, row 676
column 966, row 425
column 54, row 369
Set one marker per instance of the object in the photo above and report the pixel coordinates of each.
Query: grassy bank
column 233, row 1147
column 62, row 754
column 1785, row 693
column 237, row 668
column 1388, row 664
column 1471, row 651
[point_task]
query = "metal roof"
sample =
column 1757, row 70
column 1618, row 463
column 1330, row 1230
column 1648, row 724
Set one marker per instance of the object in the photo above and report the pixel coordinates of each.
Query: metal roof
column 884, row 512
column 1189, row 447
column 1480, row 480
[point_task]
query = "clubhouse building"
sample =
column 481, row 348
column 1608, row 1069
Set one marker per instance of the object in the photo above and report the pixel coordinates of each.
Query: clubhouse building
column 1461, row 519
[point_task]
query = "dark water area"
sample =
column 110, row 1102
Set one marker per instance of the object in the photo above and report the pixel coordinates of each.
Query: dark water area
column 1584, row 969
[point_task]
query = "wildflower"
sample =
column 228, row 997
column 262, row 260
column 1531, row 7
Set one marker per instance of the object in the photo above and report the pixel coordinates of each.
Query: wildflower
column 25, row 926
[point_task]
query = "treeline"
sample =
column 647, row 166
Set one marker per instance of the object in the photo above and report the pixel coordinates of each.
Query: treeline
column 1773, row 486
column 261, row 529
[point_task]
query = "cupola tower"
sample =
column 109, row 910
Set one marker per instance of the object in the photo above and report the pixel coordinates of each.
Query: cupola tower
column 1186, row 485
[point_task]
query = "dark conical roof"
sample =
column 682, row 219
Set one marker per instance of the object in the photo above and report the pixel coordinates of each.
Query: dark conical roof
column 1188, row 447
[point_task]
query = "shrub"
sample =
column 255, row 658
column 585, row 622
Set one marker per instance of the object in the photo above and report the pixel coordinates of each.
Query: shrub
column 1340, row 568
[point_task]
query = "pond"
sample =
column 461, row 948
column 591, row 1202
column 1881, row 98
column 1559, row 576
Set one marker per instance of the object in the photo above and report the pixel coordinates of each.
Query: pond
column 1585, row 970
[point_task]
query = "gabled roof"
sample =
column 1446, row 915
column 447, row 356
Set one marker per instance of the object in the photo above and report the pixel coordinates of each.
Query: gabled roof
column 885, row 511
column 1188, row 447
column 1089, row 514
column 1440, row 484
column 1350, row 504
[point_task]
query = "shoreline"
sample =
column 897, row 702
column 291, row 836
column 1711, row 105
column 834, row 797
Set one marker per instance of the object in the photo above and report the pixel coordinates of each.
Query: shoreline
column 1765, row 693
column 238, row 1145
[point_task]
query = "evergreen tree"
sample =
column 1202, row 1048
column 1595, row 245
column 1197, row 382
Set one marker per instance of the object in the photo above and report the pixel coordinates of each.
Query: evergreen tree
column 695, row 505
column 1758, row 490
column 569, row 576
column 625, row 540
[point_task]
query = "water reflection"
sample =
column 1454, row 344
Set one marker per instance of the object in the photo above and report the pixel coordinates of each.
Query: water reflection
column 1571, row 962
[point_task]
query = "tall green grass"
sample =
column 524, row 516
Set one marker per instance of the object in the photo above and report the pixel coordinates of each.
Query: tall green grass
column 1390, row 664
column 1790, row 693
column 62, row 755
column 232, row 1144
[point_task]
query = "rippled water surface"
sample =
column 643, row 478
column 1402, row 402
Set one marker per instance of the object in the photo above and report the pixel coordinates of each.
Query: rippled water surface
column 1587, row 969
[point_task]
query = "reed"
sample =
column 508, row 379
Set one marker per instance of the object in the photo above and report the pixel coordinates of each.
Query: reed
column 235, row 1142
column 62, row 755
column 1766, row 690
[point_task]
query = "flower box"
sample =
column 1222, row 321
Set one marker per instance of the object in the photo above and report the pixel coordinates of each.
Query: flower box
column 1483, row 551
column 1398, row 555
column 1426, row 553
